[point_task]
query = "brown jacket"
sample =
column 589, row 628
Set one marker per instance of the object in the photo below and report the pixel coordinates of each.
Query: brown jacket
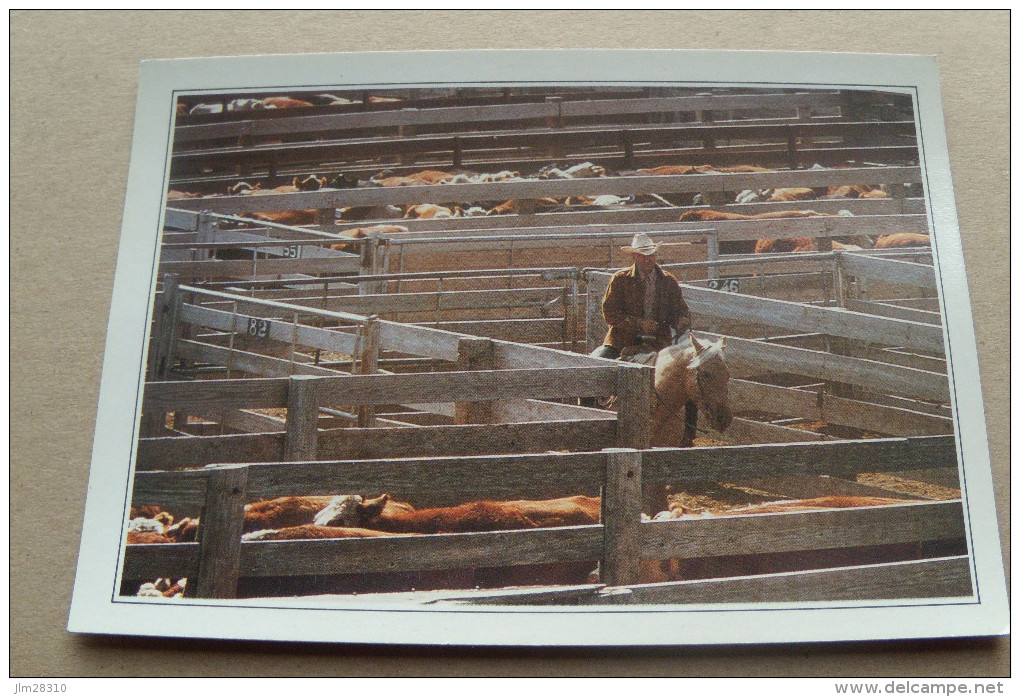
column 623, row 308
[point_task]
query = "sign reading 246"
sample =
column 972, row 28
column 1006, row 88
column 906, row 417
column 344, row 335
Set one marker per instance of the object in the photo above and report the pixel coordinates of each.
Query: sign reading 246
column 730, row 285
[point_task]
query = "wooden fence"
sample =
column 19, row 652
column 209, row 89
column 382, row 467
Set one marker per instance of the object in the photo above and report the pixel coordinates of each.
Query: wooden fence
column 871, row 347
column 620, row 542
column 557, row 188
column 432, row 113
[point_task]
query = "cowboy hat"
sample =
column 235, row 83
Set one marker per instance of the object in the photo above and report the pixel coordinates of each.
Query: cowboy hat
column 642, row 244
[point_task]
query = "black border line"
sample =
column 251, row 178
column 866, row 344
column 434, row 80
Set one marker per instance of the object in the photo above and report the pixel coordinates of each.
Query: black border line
column 117, row 599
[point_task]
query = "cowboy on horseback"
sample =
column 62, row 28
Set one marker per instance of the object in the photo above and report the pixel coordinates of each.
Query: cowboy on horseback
column 643, row 305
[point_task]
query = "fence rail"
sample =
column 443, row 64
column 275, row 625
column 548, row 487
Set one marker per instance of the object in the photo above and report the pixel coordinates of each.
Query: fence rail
column 620, row 186
column 621, row 541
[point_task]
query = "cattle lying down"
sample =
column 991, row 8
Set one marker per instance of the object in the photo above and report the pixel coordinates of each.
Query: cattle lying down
column 855, row 191
column 431, row 210
column 299, row 184
column 283, row 512
column 383, row 513
column 658, row 571
column 163, row 588
column 312, row 532
column 902, row 239
column 326, row 517
column 363, row 232
column 771, row 245
column 284, row 103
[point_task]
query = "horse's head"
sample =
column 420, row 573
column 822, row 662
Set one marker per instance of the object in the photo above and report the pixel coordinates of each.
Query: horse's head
column 711, row 382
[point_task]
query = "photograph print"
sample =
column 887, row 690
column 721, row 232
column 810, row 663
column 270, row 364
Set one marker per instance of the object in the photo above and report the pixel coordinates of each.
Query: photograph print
column 539, row 360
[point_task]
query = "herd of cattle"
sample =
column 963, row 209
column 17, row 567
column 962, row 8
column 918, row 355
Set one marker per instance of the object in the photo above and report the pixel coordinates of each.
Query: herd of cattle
column 683, row 202
column 277, row 102
column 353, row 516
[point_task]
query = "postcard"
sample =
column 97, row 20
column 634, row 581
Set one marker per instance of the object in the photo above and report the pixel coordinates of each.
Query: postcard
column 540, row 348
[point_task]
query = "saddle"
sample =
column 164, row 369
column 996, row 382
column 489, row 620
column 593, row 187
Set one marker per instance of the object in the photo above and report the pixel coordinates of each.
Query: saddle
column 646, row 351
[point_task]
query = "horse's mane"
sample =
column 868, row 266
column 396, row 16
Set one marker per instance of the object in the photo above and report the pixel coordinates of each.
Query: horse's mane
column 683, row 344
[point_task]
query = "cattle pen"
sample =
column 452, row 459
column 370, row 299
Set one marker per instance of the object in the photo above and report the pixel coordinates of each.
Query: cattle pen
column 328, row 342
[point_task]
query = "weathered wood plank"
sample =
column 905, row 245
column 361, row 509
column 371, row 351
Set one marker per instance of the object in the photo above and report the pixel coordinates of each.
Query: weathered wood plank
column 489, row 147
column 819, row 406
column 889, row 270
column 936, row 578
column 620, row 186
column 181, row 493
column 149, row 562
column 516, row 330
column 816, row 226
column 843, row 459
column 749, row 432
column 300, row 440
column 422, row 552
column 488, row 113
column 280, row 330
column 180, row 453
column 634, row 391
column 806, row 319
column 180, row 220
column 948, row 477
column 216, row 395
column 813, row 487
column 886, row 310
column 247, row 362
column 515, row 596
column 604, row 234
column 242, row 420
column 510, row 355
column 747, row 358
column 523, row 410
column 793, row 532
column 215, row 268
column 165, row 334
column 469, row 439
column 581, row 219
column 891, row 356
column 432, row 481
column 621, row 518
column 433, row 302
column 419, row 341
column 219, row 535
column 468, row 386
column 463, row 386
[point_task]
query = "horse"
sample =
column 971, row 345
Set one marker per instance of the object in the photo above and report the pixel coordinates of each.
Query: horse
column 690, row 376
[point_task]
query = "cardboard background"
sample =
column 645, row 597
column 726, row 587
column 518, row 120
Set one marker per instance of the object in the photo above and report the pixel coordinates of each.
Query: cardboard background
column 73, row 85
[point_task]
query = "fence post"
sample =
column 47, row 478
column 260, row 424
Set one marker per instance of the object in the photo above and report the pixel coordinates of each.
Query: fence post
column 300, row 440
column 219, row 535
column 161, row 349
column 204, row 233
column 595, row 324
column 634, row 395
column 791, row 147
column 712, row 252
column 474, row 354
column 368, row 363
column 556, row 149
column 839, row 280
column 621, row 518
column 368, row 264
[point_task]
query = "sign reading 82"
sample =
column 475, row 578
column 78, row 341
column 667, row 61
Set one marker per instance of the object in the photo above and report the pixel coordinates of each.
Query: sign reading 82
column 258, row 327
